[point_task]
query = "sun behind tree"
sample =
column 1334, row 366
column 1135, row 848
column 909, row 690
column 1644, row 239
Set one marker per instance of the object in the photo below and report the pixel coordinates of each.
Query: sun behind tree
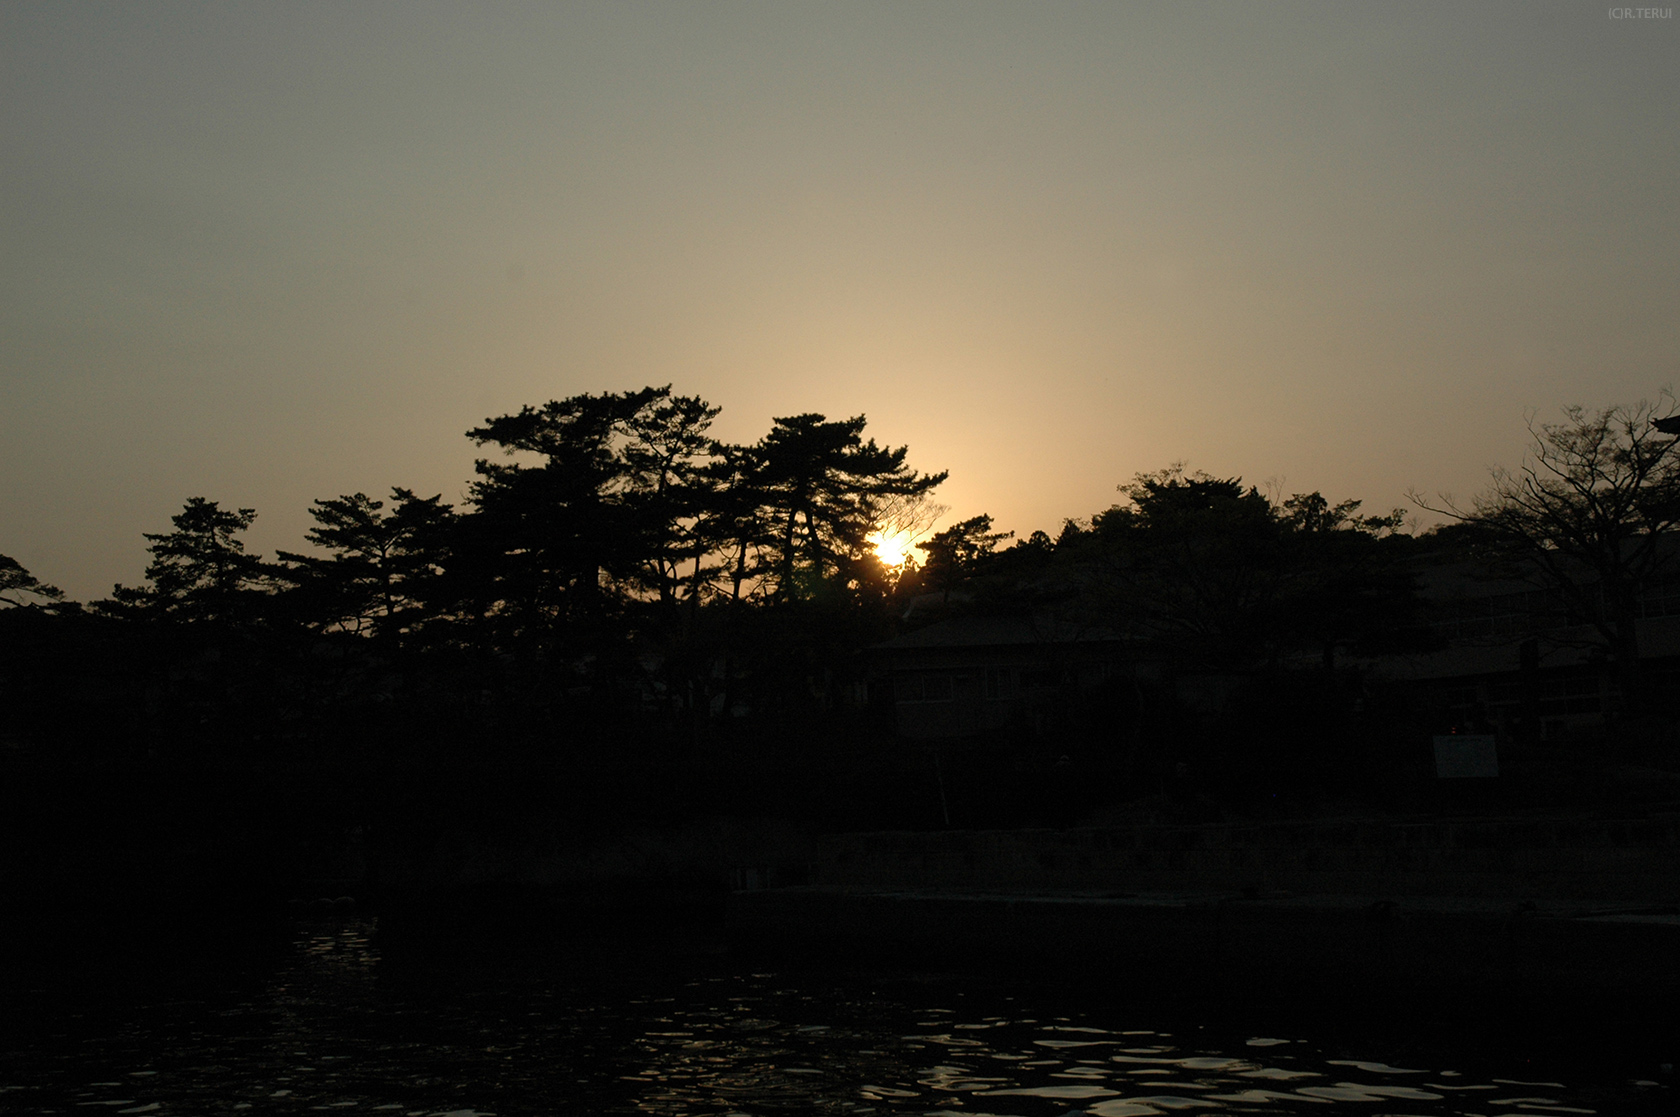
column 891, row 547
column 899, row 524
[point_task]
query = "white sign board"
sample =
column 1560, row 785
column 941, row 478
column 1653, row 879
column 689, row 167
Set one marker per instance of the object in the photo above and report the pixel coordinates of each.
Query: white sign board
column 1463, row 756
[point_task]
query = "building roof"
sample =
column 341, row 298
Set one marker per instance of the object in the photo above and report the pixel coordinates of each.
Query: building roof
column 998, row 631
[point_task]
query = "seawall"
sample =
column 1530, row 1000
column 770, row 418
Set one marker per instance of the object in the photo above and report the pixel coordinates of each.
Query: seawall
column 1564, row 860
column 1496, row 907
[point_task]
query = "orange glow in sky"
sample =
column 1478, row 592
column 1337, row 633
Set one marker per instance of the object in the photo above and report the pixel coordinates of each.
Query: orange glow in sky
column 1046, row 248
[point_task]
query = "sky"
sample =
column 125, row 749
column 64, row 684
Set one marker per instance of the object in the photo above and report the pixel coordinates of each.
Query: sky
column 266, row 254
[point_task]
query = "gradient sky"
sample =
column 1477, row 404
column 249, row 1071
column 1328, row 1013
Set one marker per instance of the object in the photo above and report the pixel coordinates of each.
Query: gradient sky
column 269, row 253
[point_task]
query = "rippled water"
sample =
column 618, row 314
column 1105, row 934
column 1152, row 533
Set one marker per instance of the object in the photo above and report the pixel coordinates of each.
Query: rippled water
column 327, row 1030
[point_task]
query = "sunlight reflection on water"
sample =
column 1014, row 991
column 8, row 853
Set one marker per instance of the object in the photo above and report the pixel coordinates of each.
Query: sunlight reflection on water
column 325, row 1033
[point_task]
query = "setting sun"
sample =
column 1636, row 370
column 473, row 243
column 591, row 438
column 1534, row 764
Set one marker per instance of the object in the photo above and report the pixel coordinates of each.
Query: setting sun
column 892, row 548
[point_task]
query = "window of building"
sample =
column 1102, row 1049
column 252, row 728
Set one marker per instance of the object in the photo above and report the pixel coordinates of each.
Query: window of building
column 922, row 687
column 1000, row 683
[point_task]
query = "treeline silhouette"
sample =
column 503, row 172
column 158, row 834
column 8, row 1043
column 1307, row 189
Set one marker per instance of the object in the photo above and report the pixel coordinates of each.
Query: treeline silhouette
column 619, row 582
column 613, row 568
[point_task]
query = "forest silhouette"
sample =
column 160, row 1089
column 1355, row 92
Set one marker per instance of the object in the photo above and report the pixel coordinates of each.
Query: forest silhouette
column 615, row 565
column 619, row 587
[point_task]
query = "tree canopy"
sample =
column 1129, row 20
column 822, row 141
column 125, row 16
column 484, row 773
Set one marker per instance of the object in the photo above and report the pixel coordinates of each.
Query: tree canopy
column 20, row 589
column 381, row 570
column 1588, row 517
column 200, row 571
column 825, row 490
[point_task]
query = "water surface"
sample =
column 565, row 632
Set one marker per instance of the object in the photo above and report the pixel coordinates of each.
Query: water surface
column 329, row 1026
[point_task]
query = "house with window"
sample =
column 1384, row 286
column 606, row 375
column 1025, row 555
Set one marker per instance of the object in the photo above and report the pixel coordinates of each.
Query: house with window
column 970, row 675
column 1509, row 653
column 1507, row 658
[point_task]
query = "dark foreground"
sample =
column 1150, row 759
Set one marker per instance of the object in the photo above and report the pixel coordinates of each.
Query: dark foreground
column 570, row 945
column 659, row 1017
